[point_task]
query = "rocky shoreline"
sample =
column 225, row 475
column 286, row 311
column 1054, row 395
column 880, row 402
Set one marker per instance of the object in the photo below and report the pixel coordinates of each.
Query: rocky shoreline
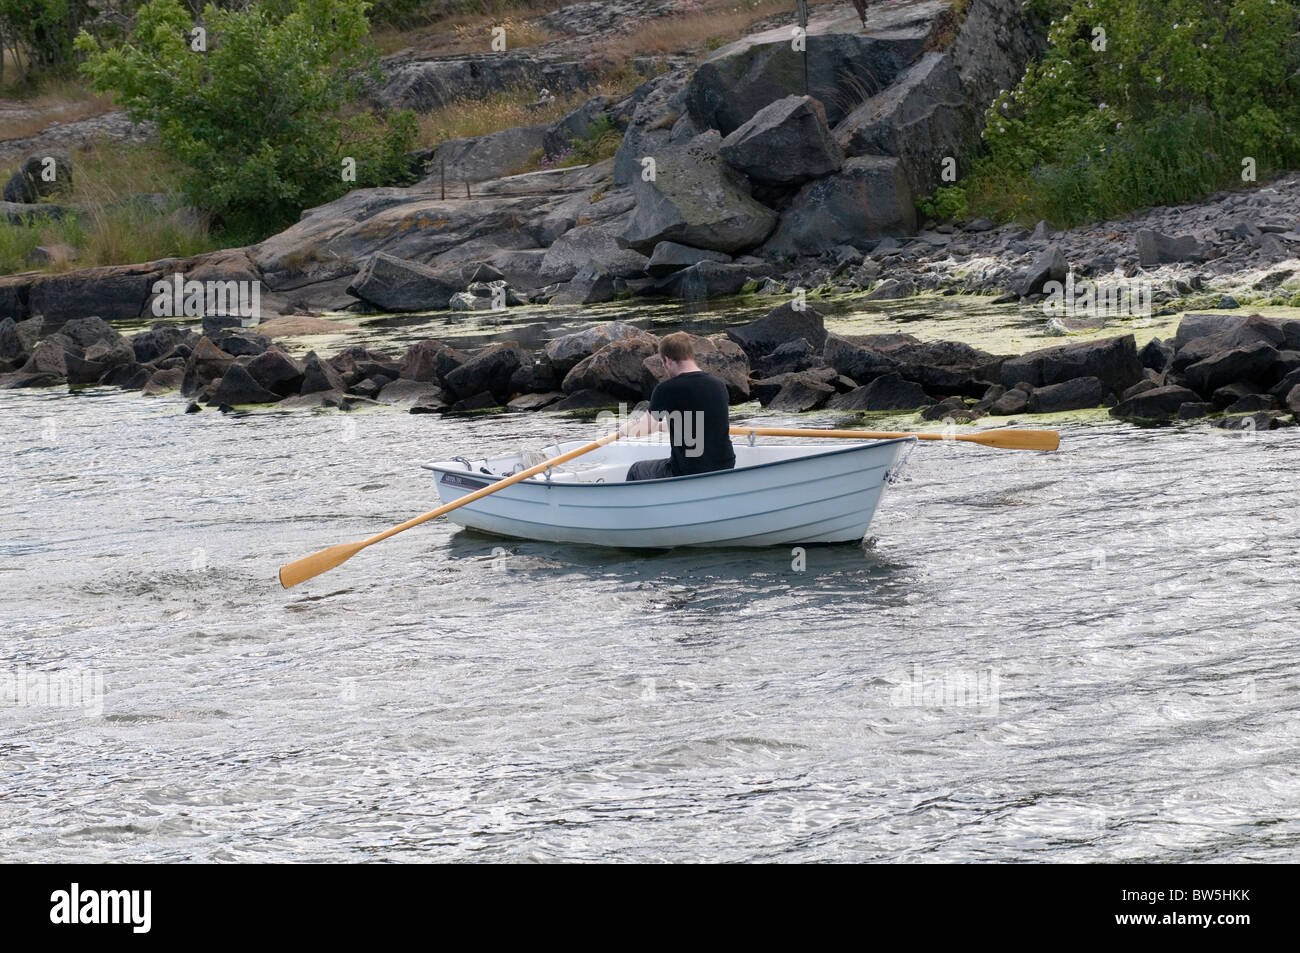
column 1241, row 371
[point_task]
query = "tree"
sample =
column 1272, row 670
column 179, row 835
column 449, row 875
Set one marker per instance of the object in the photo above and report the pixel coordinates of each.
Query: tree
column 262, row 113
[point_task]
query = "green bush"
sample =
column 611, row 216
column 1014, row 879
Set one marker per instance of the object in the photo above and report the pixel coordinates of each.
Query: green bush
column 1181, row 93
column 263, row 120
column 948, row 203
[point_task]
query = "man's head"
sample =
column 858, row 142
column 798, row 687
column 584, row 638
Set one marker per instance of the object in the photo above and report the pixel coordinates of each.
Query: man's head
column 677, row 353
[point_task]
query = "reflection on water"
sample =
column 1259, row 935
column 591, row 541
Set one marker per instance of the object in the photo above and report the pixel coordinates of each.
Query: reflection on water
column 1076, row 656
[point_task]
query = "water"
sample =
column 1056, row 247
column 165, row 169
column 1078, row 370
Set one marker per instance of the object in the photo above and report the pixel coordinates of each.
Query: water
column 1080, row 656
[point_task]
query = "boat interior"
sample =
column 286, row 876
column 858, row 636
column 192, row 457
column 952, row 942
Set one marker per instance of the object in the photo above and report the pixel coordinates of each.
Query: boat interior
column 609, row 464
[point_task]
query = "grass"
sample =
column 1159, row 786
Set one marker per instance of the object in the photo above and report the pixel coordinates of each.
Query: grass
column 110, row 231
column 711, row 25
column 1165, row 162
column 465, row 118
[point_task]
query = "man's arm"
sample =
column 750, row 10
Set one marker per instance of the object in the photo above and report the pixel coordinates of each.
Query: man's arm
column 644, row 424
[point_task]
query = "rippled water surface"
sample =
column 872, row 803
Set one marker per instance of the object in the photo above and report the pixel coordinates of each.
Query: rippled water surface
column 1088, row 655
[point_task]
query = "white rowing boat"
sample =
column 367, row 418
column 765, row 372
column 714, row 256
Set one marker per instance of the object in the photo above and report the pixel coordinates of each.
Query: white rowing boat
column 776, row 495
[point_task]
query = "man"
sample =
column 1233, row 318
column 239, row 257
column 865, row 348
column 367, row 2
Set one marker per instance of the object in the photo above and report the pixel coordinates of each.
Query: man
column 861, row 7
column 692, row 405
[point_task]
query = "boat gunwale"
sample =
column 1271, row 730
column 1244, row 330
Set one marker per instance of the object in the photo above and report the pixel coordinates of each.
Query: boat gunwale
column 490, row 479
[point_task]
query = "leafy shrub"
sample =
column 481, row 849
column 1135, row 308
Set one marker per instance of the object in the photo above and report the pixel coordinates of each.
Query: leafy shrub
column 263, row 120
column 1162, row 107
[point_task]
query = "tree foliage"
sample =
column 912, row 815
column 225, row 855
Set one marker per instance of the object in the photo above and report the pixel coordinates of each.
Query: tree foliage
column 265, row 118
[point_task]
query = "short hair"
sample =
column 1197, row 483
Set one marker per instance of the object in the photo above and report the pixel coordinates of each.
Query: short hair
column 677, row 347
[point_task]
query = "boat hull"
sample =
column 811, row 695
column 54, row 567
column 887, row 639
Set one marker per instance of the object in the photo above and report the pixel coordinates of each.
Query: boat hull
column 817, row 497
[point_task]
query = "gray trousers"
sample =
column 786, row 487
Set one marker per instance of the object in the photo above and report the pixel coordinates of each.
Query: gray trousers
column 650, row 469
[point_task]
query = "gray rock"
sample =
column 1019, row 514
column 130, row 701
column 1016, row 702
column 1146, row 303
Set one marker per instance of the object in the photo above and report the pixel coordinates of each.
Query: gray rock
column 408, row 393
column 696, row 200
column 1079, row 393
column 779, row 326
column 1160, row 403
column 1253, row 364
column 669, row 257
column 1113, row 361
column 868, row 198
column 277, row 372
column 739, row 79
column 566, row 352
column 239, row 387
column 861, row 364
column 586, row 245
column 800, row 393
column 592, row 284
column 887, row 392
column 702, row 281
column 396, row 284
column 489, row 370
column 618, row 368
column 1012, row 401
column 784, row 143
column 1049, row 266
column 1156, row 248
column 891, row 289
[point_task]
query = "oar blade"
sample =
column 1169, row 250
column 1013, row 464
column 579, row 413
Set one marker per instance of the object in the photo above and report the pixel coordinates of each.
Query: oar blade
column 1018, row 439
column 300, row 570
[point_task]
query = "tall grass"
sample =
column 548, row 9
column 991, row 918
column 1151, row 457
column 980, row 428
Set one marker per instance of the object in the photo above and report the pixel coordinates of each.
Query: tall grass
column 109, row 227
column 1167, row 161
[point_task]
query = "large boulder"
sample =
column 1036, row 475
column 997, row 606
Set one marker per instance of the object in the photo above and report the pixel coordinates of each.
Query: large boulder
column 921, row 118
column 886, row 392
column 739, row 79
column 1049, row 266
column 696, row 199
column 320, row 377
column 799, row 393
column 1113, row 361
column 669, row 257
column 485, row 157
column 1160, row 403
column 860, row 364
column 591, row 284
column 784, row 143
column 1155, row 248
column 238, row 386
column 1077, row 394
column 113, row 292
column 588, row 244
column 159, row 341
column 649, row 129
column 868, row 198
column 567, row 351
column 618, row 368
column 780, row 326
column 206, row 363
column 395, row 284
column 1251, row 364
column 490, row 370
column 1249, row 331
column 703, row 280
column 277, row 372
column 420, row 363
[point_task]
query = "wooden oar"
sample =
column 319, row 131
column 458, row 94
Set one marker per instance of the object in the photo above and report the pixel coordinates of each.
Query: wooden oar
column 1002, row 439
column 303, row 569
